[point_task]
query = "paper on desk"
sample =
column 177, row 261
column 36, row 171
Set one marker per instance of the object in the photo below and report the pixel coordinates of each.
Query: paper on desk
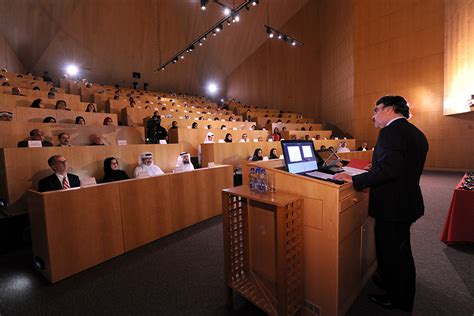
column 353, row 171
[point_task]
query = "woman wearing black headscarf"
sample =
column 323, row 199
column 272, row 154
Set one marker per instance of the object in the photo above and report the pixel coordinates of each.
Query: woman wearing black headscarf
column 112, row 172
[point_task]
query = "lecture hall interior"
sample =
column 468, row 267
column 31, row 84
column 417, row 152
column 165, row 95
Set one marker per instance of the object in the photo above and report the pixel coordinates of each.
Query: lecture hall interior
column 205, row 157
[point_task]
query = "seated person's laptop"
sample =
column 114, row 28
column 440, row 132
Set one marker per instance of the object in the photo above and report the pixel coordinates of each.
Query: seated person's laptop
column 329, row 161
column 301, row 158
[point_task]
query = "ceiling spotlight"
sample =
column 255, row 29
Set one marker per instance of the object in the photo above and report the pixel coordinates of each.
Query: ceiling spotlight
column 175, row 60
column 236, row 18
column 269, row 32
column 72, row 70
column 204, row 38
column 226, row 11
column 214, row 33
column 203, row 4
column 254, row 2
column 200, row 43
column 293, row 42
column 162, row 68
column 219, row 28
column 182, row 56
column 228, row 22
column 191, row 48
column 212, row 88
column 280, row 36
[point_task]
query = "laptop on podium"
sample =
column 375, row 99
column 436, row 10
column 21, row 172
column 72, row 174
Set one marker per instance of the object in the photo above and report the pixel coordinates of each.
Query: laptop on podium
column 302, row 159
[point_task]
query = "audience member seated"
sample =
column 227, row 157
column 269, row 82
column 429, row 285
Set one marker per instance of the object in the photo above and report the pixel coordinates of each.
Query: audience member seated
column 260, row 139
column 36, row 88
column 273, row 154
column 155, row 132
column 35, row 134
column 183, row 163
column 49, row 119
column 322, row 147
column 244, row 138
column 146, row 167
column 306, row 137
column 276, row 134
column 343, row 148
column 91, row 108
column 51, row 95
column 63, row 139
column 194, row 125
column 61, row 105
column 209, row 138
column 6, row 116
column 174, row 125
column 17, row 91
column 318, row 137
column 80, row 120
column 310, row 128
column 6, row 84
column 96, row 140
column 257, row 155
column 38, row 103
column 331, row 148
column 228, row 138
column 223, row 127
column 112, row 171
column 362, row 147
column 60, row 179
column 108, row 121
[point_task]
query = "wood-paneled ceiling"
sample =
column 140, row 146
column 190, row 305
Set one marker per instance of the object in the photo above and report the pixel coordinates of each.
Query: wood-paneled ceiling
column 110, row 39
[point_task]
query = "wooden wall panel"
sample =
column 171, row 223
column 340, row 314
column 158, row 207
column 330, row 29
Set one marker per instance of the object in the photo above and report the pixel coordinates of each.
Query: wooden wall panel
column 399, row 49
column 337, row 65
column 8, row 58
column 112, row 38
column 458, row 56
column 281, row 76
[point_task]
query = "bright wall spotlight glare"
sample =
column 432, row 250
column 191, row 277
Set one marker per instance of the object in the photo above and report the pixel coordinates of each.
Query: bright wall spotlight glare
column 237, row 18
column 226, row 11
column 212, row 88
column 72, row 70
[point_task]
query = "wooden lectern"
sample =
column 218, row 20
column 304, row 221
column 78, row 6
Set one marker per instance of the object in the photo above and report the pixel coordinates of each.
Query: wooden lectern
column 263, row 244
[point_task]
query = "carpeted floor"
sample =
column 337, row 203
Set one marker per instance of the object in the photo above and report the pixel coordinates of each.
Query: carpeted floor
column 183, row 274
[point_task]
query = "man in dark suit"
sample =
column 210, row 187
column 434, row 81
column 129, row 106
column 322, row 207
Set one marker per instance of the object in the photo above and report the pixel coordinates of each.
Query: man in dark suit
column 395, row 198
column 60, row 179
column 35, row 134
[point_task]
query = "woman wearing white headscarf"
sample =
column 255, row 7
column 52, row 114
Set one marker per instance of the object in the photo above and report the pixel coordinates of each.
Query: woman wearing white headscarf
column 209, row 139
column 145, row 164
column 183, row 163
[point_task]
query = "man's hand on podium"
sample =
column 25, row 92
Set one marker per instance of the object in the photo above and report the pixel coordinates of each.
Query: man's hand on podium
column 343, row 176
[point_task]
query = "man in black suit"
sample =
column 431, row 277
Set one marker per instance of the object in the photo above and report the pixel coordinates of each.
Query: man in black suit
column 395, row 198
column 60, row 179
column 35, row 134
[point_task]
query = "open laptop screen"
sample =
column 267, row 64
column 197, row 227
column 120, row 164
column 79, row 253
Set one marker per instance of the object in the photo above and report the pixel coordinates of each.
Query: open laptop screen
column 299, row 155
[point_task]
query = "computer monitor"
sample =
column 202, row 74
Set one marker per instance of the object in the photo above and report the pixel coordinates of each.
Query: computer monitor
column 299, row 155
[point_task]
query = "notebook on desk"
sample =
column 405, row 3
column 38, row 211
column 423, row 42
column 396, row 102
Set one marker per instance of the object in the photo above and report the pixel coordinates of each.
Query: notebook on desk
column 301, row 158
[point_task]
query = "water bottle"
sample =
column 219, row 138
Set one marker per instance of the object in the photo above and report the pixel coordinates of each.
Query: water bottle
column 263, row 181
column 252, row 179
column 257, row 179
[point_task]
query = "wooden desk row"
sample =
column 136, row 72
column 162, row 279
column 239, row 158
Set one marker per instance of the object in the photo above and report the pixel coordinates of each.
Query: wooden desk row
column 28, row 114
column 73, row 230
column 301, row 134
column 192, row 138
column 72, row 101
column 339, row 247
column 235, row 153
column 42, row 93
column 28, row 83
column 264, row 121
column 293, row 126
column 19, row 175
column 13, row 132
column 202, row 124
